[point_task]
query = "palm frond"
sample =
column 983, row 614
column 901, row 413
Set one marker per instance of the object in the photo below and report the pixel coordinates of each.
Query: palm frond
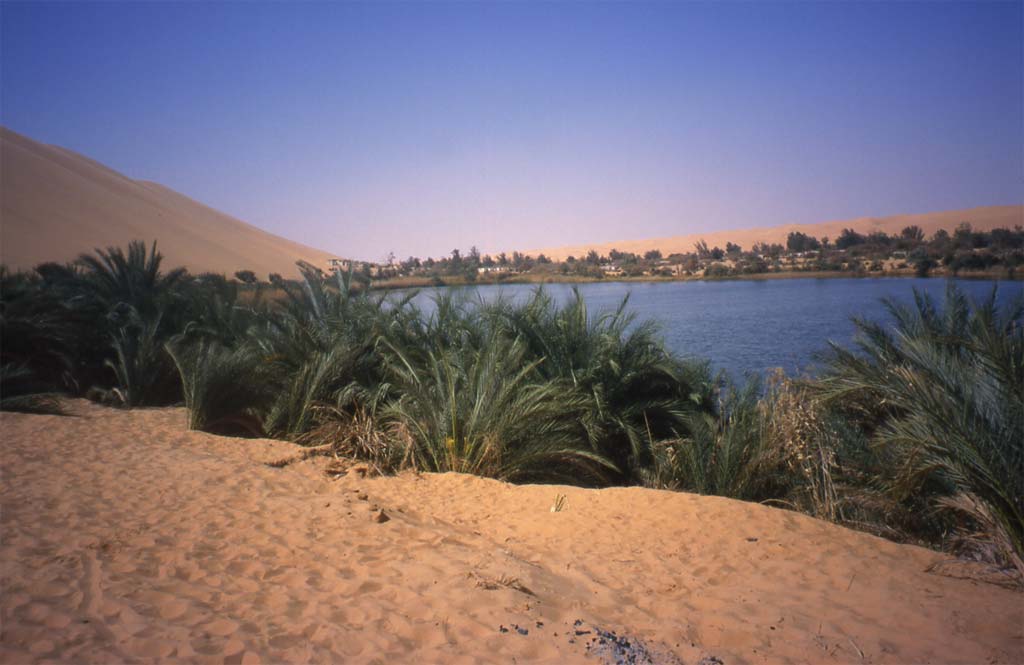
column 944, row 396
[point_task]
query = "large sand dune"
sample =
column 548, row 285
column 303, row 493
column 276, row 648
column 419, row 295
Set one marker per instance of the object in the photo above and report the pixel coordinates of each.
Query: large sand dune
column 57, row 204
column 128, row 539
column 982, row 219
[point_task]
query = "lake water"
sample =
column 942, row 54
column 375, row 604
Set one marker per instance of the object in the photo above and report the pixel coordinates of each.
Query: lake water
column 751, row 325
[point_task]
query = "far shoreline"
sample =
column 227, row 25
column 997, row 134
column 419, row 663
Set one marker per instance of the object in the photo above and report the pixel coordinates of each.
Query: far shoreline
column 431, row 282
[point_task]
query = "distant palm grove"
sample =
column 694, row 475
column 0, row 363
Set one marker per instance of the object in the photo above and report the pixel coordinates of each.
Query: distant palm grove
column 999, row 253
column 915, row 434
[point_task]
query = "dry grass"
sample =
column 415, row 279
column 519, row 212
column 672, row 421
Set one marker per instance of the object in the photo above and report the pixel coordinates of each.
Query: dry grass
column 798, row 434
column 358, row 435
column 501, row 582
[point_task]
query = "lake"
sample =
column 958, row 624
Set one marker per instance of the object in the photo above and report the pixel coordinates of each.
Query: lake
column 751, row 325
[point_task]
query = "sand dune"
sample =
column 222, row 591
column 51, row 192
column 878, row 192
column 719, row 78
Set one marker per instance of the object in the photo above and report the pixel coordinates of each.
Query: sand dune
column 985, row 219
column 57, row 204
column 128, row 539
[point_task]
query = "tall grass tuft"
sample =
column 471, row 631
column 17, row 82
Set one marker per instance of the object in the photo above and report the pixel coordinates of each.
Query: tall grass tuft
column 725, row 453
column 797, row 429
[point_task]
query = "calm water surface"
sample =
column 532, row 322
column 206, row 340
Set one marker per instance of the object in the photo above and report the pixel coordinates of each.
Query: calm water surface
column 753, row 325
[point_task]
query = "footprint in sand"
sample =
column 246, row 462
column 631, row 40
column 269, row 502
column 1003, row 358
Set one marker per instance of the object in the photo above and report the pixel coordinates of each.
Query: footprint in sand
column 286, row 641
column 221, row 627
column 173, row 609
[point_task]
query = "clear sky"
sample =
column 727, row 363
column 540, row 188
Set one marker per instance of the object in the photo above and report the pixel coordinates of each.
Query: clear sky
column 417, row 128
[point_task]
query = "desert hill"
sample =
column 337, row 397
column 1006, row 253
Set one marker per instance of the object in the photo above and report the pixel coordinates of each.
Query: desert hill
column 57, row 204
column 982, row 219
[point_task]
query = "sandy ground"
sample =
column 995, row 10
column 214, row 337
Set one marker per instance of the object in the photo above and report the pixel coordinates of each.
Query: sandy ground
column 126, row 538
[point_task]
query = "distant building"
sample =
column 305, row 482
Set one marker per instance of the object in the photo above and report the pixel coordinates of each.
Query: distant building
column 345, row 265
column 611, row 269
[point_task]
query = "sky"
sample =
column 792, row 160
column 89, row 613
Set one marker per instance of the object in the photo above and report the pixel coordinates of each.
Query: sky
column 364, row 129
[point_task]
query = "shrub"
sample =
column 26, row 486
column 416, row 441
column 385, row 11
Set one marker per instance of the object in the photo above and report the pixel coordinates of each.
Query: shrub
column 634, row 390
column 226, row 390
column 724, row 454
column 484, row 410
column 144, row 374
column 943, row 394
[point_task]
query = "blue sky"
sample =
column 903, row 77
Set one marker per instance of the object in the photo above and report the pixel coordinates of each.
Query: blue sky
column 417, row 128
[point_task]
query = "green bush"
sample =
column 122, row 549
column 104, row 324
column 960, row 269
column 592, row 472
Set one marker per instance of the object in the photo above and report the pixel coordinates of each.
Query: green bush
column 942, row 393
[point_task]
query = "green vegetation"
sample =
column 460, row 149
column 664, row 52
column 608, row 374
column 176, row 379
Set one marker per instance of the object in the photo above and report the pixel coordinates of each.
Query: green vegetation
column 998, row 253
column 482, row 409
column 915, row 434
column 943, row 394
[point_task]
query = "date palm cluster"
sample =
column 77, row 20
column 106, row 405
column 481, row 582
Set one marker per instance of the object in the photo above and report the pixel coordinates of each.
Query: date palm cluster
column 916, row 433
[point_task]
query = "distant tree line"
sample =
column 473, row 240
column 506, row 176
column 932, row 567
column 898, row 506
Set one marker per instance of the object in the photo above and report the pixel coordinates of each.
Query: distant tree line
column 964, row 250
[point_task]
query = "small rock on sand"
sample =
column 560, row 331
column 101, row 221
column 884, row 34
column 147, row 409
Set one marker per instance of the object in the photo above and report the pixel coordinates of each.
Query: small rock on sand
column 380, row 517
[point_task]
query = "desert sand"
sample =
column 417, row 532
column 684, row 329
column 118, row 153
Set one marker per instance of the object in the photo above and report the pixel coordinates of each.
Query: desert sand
column 982, row 219
column 57, row 204
column 127, row 538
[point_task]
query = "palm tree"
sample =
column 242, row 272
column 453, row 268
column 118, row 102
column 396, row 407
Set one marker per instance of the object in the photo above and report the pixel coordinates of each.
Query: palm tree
column 142, row 308
column 636, row 391
column 314, row 357
column 227, row 390
column 323, row 346
column 943, row 393
column 485, row 410
column 35, row 345
column 131, row 279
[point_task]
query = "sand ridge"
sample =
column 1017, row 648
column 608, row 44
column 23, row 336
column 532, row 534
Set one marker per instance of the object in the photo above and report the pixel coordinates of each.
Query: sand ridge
column 983, row 218
column 126, row 538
